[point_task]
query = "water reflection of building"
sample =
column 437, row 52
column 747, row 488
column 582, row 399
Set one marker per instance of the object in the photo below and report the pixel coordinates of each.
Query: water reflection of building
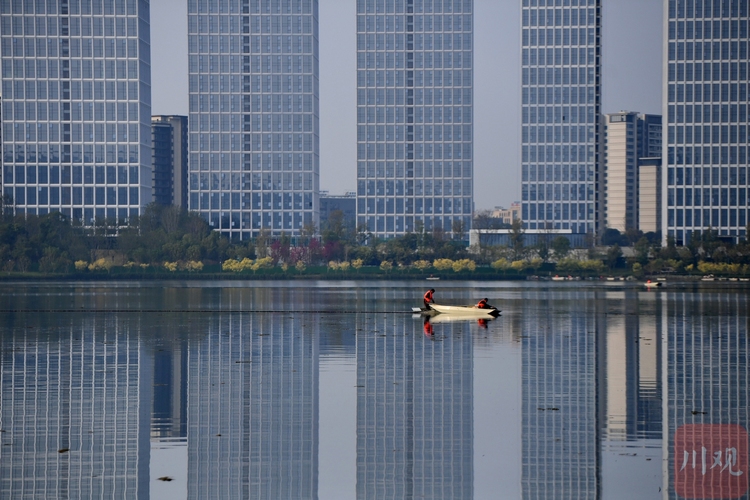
column 169, row 421
column 706, row 377
column 414, row 410
column 253, row 408
column 560, row 444
column 72, row 411
column 631, row 348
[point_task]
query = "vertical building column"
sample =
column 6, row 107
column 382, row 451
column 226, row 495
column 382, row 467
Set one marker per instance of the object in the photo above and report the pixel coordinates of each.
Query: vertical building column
column 414, row 117
column 254, row 144
column 561, row 100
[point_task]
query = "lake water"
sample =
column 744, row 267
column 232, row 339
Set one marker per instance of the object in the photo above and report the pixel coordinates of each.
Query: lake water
column 335, row 390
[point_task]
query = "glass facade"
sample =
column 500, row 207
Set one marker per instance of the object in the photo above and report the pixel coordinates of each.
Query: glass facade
column 414, row 115
column 706, row 115
column 254, row 140
column 76, row 107
column 561, row 78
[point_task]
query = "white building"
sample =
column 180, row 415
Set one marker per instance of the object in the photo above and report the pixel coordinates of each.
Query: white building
column 629, row 137
column 414, row 115
column 254, row 144
column 76, row 89
column 649, row 195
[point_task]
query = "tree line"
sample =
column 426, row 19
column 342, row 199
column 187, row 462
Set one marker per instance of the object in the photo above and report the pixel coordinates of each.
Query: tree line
column 173, row 239
column 169, row 237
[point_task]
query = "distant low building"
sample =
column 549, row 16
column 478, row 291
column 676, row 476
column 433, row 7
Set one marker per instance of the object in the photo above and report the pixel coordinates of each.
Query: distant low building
column 346, row 203
column 531, row 237
column 507, row 215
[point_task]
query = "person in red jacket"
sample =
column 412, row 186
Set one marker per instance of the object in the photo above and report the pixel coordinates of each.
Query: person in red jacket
column 483, row 304
column 428, row 298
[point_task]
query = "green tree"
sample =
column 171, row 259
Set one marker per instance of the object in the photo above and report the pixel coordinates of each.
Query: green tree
column 561, row 247
column 7, row 208
column 458, row 230
column 171, row 218
column 334, row 229
column 516, row 239
column 614, row 257
column 364, row 236
column 261, row 243
column 642, row 249
column 542, row 247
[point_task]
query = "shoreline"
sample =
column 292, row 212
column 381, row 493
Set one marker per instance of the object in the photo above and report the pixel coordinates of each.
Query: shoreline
column 672, row 282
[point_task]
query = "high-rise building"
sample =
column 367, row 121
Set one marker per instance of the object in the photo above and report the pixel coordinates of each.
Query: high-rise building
column 705, row 107
column 561, row 97
column 170, row 163
column 414, row 115
column 76, row 87
column 254, row 143
column 1, row 158
column 629, row 137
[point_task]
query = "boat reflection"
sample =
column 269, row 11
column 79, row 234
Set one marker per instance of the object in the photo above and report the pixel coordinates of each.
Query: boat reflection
column 455, row 318
column 442, row 318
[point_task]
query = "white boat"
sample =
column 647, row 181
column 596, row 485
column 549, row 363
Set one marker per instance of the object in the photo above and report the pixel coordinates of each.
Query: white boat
column 652, row 284
column 466, row 311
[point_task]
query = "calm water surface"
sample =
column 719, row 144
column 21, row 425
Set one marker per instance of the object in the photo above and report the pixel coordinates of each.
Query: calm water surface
column 335, row 390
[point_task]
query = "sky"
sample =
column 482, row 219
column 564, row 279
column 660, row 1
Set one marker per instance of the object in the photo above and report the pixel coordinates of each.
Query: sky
column 631, row 80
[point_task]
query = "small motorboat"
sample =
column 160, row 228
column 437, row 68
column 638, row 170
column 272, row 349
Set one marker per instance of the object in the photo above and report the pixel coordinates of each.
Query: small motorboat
column 652, row 284
column 466, row 311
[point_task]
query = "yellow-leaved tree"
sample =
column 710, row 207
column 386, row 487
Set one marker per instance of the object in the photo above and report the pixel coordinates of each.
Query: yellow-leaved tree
column 442, row 264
